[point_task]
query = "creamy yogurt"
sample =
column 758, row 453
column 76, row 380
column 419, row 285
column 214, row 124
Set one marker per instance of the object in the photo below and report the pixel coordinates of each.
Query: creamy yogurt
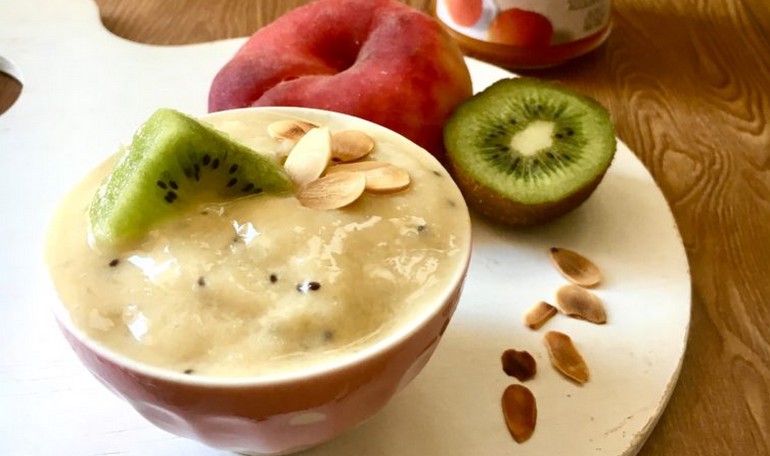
column 262, row 284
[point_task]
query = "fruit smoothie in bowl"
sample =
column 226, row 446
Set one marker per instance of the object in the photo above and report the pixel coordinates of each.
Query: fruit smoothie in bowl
column 260, row 279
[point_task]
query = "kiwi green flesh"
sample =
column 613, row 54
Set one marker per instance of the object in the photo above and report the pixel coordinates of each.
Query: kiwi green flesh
column 481, row 135
column 173, row 162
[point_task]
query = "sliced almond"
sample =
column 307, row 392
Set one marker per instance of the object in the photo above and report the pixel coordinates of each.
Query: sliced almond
column 520, row 412
column 363, row 166
column 577, row 302
column 381, row 177
column 291, row 130
column 351, row 145
column 519, row 364
column 539, row 314
column 333, row 191
column 387, row 179
column 309, row 157
column 575, row 267
column 565, row 357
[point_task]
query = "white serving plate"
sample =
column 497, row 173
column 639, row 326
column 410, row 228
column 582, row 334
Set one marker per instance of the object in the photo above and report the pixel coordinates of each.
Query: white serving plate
column 85, row 91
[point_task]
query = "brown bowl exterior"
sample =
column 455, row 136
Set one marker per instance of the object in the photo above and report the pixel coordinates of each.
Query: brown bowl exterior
column 273, row 417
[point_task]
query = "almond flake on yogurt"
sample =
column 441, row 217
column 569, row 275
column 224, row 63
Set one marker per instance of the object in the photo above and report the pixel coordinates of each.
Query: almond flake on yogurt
column 290, row 130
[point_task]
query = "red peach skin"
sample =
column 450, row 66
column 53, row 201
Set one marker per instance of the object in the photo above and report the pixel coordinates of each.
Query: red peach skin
column 465, row 12
column 518, row 27
column 377, row 59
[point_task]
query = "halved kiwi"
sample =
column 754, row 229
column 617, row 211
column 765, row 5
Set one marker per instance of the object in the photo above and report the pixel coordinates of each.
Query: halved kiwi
column 525, row 151
column 174, row 161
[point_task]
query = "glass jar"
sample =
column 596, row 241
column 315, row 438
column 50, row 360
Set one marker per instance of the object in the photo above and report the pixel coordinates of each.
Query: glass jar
column 526, row 33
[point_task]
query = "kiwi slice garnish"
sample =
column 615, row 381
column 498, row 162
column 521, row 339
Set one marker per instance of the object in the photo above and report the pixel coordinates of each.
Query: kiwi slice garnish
column 525, row 151
column 173, row 162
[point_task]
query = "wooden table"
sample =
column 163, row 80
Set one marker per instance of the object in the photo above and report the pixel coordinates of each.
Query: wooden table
column 688, row 85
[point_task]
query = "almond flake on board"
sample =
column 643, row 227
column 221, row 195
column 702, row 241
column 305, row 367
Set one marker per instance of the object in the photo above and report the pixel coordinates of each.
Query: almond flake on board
column 539, row 314
column 291, row 130
column 309, row 157
column 577, row 302
column 333, row 191
column 351, row 145
column 519, row 411
column 381, row 177
column 565, row 357
column 575, row 267
column 519, row 364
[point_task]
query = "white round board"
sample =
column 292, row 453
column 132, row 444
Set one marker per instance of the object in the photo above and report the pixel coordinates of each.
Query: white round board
column 85, row 91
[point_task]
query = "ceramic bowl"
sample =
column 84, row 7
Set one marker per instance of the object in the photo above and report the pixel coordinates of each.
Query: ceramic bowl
column 279, row 414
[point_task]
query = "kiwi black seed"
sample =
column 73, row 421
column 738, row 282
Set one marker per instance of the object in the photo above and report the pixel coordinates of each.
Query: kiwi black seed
column 173, row 162
column 525, row 151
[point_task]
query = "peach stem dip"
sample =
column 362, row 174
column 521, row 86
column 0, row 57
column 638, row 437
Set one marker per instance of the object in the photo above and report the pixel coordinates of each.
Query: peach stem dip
column 261, row 284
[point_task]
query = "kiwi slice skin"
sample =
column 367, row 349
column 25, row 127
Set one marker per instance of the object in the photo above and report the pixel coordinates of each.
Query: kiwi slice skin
column 567, row 143
column 173, row 162
column 499, row 209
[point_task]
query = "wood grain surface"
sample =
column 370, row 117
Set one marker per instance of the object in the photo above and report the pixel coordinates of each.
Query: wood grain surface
column 688, row 85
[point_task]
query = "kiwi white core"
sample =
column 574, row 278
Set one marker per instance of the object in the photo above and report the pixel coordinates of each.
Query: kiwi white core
column 538, row 135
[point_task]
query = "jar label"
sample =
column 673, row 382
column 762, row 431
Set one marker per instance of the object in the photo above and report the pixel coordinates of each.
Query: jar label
column 525, row 23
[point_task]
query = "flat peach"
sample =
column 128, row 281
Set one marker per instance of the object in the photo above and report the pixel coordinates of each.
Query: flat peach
column 379, row 60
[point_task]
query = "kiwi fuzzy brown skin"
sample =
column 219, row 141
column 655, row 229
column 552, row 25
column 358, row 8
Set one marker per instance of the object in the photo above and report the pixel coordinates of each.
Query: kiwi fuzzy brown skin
column 491, row 205
column 485, row 117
